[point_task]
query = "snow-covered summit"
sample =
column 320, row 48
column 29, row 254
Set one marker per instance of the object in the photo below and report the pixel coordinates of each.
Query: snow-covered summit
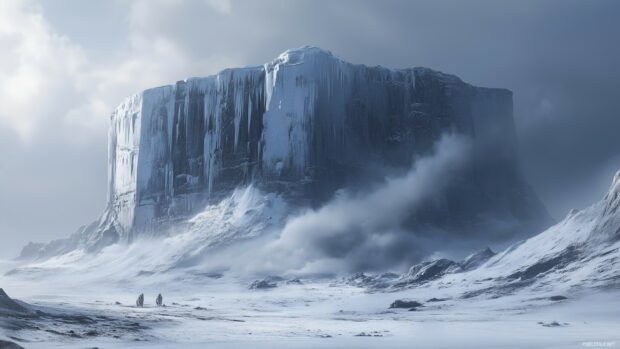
column 477, row 258
column 303, row 54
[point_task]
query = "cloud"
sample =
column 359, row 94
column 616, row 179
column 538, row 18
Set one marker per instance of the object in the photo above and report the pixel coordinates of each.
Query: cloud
column 45, row 78
column 223, row 6
column 37, row 68
column 56, row 96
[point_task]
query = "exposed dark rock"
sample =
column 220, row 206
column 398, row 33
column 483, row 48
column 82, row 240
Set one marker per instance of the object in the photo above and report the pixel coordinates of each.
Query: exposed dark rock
column 476, row 259
column 268, row 282
column 427, row 271
column 294, row 282
column 437, row 300
column 557, row 298
column 558, row 261
column 405, row 303
column 369, row 334
column 554, row 324
column 160, row 300
column 8, row 304
column 378, row 281
column 4, row 344
column 359, row 279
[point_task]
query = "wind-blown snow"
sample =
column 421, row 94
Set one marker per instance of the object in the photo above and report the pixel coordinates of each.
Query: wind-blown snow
column 358, row 231
column 272, row 238
column 555, row 282
column 189, row 248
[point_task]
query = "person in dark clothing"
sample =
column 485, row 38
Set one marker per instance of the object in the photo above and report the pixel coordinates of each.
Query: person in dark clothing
column 140, row 300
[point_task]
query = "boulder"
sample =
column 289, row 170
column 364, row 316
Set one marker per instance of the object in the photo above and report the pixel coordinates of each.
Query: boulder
column 405, row 303
column 262, row 285
column 557, row 298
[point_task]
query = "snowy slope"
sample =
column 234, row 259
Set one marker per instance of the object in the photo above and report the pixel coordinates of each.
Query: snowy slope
column 554, row 282
column 579, row 253
column 246, row 215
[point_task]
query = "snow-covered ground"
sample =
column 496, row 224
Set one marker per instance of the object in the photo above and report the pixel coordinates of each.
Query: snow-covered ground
column 558, row 289
column 224, row 313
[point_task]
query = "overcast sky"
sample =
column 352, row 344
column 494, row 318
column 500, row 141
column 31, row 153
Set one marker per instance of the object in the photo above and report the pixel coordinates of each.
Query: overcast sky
column 66, row 64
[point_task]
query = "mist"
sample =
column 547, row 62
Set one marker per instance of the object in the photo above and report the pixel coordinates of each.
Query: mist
column 363, row 231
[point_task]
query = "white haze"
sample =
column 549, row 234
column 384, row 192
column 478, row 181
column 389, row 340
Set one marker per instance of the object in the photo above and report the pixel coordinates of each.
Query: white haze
column 363, row 231
column 252, row 233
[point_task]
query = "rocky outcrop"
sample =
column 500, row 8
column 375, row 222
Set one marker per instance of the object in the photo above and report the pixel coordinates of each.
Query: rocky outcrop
column 378, row 281
column 304, row 125
column 476, row 259
column 609, row 227
column 9, row 305
column 405, row 303
column 420, row 273
column 262, row 285
column 427, row 271
column 9, row 345
column 268, row 282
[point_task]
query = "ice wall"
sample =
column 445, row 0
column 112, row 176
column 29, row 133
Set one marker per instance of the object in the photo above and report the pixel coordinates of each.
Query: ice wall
column 305, row 124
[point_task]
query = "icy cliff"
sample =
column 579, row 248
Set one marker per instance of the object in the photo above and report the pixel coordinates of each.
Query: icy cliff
column 304, row 125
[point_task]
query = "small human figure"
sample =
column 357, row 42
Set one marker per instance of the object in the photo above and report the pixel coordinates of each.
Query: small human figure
column 159, row 300
column 140, row 300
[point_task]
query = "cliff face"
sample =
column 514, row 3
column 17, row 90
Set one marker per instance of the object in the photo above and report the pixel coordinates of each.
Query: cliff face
column 305, row 125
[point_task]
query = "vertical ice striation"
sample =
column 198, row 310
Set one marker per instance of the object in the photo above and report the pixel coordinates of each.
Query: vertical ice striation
column 124, row 144
column 169, row 146
column 306, row 124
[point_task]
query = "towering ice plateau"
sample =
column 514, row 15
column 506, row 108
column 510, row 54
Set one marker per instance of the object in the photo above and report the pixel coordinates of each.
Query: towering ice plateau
column 304, row 125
